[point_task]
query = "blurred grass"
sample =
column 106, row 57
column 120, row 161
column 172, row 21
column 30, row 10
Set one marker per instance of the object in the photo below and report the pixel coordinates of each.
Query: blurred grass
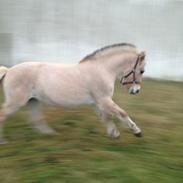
column 82, row 152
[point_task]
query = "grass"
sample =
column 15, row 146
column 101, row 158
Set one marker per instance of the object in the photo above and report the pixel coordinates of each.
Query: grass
column 82, row 152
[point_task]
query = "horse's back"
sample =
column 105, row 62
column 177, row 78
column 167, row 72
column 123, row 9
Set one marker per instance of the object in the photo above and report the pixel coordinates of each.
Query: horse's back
column 27, row 74
column 31, row 70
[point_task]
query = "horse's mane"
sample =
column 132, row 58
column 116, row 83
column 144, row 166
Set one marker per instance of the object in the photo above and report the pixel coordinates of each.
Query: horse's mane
column 104, row 50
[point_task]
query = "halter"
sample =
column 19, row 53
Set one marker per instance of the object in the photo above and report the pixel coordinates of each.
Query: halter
column 130, row 73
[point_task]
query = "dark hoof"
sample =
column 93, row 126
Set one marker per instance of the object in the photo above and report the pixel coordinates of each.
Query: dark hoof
column 138, row 134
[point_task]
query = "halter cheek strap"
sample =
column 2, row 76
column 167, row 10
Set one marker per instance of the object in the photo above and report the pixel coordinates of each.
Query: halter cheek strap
column 129, row 74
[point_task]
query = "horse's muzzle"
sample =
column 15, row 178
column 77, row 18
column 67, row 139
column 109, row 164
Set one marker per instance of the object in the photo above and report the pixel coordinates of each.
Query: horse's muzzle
column 134, row 92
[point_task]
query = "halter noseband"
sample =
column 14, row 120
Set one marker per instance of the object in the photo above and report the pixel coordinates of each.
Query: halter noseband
column 130, row 73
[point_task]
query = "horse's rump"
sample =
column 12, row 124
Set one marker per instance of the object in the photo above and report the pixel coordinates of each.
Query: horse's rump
column 3, row 71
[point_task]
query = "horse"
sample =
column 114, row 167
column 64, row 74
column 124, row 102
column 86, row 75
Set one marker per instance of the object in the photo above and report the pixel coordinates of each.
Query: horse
column 91, row 81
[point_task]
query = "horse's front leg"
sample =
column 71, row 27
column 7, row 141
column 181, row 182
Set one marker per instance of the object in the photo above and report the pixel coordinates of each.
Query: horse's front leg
column 110, row 126
column 111, row 108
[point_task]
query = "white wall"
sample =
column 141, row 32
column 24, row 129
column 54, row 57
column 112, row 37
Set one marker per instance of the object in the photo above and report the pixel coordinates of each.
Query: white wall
column 66, row 30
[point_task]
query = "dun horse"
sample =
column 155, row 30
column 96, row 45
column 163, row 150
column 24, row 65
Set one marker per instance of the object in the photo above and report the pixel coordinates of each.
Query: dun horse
column 89, row 82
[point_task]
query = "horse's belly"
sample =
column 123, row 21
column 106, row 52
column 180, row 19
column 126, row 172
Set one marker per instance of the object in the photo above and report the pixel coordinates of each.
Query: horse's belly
column 64, row 96
column 65, row 101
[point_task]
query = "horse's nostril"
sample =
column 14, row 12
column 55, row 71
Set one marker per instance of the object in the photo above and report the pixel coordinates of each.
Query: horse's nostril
column 137, row 91
column 131, row 91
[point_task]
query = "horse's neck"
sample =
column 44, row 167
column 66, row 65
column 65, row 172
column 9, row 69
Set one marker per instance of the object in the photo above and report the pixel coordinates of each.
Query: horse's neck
column 96, row 73
column 114, row 66
column 108, row 69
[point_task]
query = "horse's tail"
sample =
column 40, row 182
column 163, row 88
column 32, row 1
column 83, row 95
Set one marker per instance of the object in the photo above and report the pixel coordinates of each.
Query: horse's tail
column 3, row 71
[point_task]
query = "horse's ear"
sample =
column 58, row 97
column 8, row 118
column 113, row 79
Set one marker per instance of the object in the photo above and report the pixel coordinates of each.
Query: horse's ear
column 142, row 56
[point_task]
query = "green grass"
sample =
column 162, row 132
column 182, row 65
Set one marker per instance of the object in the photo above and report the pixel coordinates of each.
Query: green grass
column 82, row 152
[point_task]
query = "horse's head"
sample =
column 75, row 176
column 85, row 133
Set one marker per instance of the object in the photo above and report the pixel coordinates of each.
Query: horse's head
column 133, row 77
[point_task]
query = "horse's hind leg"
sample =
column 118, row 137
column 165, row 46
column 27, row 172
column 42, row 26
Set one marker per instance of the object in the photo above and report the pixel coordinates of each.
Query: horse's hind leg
column 5, row 112
column 36, row 118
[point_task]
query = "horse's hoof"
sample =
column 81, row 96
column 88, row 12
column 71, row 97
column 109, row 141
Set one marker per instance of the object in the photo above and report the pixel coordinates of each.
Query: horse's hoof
column 51, row 133
column 115, row 134
column 3, row 142
column 46, row 130
column 138, row 134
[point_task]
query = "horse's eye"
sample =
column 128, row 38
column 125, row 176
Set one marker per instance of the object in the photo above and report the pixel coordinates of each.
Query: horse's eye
column 141, row 72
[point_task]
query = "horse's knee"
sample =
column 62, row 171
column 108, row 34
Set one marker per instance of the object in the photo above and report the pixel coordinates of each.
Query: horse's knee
column 123, row 113
column 111, row 108
column 117, row 111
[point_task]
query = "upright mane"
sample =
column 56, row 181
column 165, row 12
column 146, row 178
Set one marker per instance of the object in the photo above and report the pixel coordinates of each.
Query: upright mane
column 108, row 49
